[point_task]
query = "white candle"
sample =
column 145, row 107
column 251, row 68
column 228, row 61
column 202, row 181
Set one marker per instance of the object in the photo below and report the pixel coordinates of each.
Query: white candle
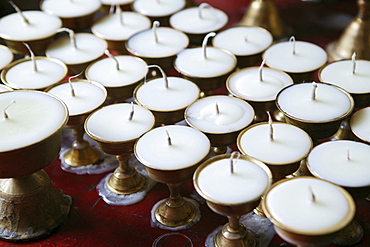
column 290, row 204
column 115, row 2
column 6, row 56
column 340, row 73
column 295, row 56
column 343, row 162
column 109, row 27
column 131, row 70
column 112, row 124
column 155, row 96
column 188, row 147
column 70, row 8
column 88, row 96
column 290, row 144
column 219, row 114
column 21, row 75
column 41, row 25
column 247, row 84
column 330, row 103
column 89, row 47
column 243, row 40
column 170, row 42
column 33, row 117
column 359, row 124
column 199, row 20
column 157, row 8
column 247, row 183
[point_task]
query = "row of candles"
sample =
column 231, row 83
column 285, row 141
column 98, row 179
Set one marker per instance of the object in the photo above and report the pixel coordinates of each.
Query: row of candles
column 218, row 121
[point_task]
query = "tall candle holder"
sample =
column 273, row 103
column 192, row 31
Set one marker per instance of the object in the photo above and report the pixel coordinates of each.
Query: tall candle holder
column 33, row 207
column 239, row 196
column 170, row 155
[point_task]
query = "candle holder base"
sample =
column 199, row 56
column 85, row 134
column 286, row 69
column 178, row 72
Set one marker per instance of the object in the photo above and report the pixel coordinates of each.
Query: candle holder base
column 350, row 235
column 175, row 218
column 125, row 182
column 81, row 157
column 31, row 207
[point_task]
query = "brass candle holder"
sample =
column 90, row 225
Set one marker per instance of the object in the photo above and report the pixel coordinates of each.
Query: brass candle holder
column 233, row 233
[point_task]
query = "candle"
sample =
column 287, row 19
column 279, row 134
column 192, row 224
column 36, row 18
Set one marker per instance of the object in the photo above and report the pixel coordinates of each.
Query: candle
column 28, row 117
column 247, row 182
column 112, row 123
column 343, row 162
column 6, row 56
column 22, row 74
column 219, row 114
column 275, row 143
column 309, row 206
column 359, row 124
column 80, row 96
column 158, row 8
column 188, row 147
column 330, row 102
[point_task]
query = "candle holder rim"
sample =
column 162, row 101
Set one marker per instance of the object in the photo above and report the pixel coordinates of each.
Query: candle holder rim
column 363, row 139
column 238, row 140
column 160, row 16
column 338, row 227
column 6, row 48
column 218, row 133
column 11, row 65
column 209, row 161
column 346, row 114
column 50, row 12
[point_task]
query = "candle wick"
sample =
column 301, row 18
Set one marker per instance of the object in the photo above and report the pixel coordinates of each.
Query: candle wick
column 292, row 40
column 246, row 38
column 113, row 57
column 312, row 195
column 131, row 112
column 6, row 107
column 233, row 160
column 205, row 42
column 271, row 129
column 111, row 8
column 260, row 69
column 119, row 13
column 314, row 91
column 32, row 57
column 354, row 63
column 201, row 7
column 154, row 28
column 72, row 36
column 19, row 12
column 168, row 138
column 348, row 155
column 162, row 72
column 217, row 109
column 70, row 83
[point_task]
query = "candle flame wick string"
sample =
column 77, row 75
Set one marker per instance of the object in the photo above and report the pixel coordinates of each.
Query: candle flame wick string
column 217, row 109
column 292, row 40
column 119, row 13
column 70, row 83
column 312, row 195
column 72, row 36
column 112, row 57
column 201, row 7
column 32, row 56
column 314, row 91
column 154, row 28
column 6, row 107
column 204, row 44
column 271, row 128
column 19, row 12
column 168, row 138
column 233, row 160
column 354, row 63
column 131, row 112
column 260, row 69
column 348, row 154
column 165, row 78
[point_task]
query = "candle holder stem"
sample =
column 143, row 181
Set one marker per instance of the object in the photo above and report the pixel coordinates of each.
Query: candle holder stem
column 125, row 179
column 219, row 150
column 81, row 153
column 175, row 211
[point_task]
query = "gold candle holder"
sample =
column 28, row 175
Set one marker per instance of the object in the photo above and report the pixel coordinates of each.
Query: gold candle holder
column 233, row 233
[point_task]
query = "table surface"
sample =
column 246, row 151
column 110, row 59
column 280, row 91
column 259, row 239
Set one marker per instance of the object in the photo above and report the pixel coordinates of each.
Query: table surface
column 92, row 222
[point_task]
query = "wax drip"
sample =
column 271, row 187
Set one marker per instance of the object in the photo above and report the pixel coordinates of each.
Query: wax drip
column 162, row 72
column 113, row 57
column 204, row 44
column 233, row 160
column 6, row 107
column 32, row 56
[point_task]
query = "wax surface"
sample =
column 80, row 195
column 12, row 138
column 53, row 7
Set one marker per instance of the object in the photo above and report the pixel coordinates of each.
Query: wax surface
column 109, row 27
column 22, row 75
column 104, row 71
column 111, row 123
column 33, row 117
column 329, row 161
column 307, row 57
column 246, row 184
column 89, row 47
column 360, row 124
column 6, row 56
column 189, row 146
column 170, row 42
column 330, row 102
column 88, row 96
column 192, row 63
column 42, row 25
column 70, row 9
column 234, row 114
column 243, row 40
column 155, row 8
column 189, row 21
column 290, row 144
column 179, row 94
column 340, row 73
column 246, row 83
column 290, row 204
